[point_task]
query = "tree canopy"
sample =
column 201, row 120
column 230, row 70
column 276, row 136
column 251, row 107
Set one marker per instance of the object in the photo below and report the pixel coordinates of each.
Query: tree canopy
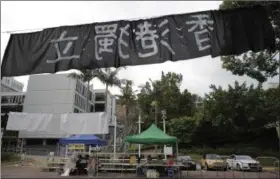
column 259, row 66
column 225, row 116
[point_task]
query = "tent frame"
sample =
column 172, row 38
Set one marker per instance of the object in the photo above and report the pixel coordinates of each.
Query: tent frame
column 177, row 149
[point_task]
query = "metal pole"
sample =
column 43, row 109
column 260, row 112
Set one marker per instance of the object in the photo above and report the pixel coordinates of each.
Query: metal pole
column 163, row 112
column 139, row 131
column 115, row 136
column 278, row 116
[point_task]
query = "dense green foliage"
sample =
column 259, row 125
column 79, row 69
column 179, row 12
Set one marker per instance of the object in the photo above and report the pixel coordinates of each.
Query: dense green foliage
column 9, row 157
column 236, row 115
column 259, row 66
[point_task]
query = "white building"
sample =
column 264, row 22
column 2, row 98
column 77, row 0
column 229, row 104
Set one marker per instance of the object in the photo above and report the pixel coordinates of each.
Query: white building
column 58, row 93
column 12, row 96
column 12, row 99
column 9, row 84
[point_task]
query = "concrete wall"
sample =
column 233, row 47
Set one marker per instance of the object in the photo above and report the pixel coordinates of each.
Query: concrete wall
column 49, row 94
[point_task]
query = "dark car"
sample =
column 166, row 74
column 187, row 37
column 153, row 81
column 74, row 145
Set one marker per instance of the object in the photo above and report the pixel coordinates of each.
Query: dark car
column 188, row 163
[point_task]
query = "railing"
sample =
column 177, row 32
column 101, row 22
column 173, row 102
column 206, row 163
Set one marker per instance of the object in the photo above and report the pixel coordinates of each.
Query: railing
column 31, row 151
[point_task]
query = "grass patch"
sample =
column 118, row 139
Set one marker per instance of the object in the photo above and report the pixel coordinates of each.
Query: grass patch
column 7, row 157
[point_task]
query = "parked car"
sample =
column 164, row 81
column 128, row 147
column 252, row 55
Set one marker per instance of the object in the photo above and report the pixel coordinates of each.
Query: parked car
column 243, row 162
column 213, row 161
column 188, row 163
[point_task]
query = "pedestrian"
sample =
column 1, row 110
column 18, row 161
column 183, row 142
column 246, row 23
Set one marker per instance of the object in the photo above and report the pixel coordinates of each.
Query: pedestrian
column 91, row 166
column 22, row 157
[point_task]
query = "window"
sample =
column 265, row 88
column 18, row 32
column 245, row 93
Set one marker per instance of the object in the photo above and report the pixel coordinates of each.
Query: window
column 76, row 110
column 34, row 141
column 83, row 90
column 99, row 97
column 90, row 96
column 76, row 100
column 91, row 108
column 51, row 141
column 99, row 107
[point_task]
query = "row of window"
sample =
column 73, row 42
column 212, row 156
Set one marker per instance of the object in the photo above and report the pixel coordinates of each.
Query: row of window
column 99, row 97
column 82, row 89
column 12, row 99
column 95, row 108
column 7, row 89
column 12, row 83
column 80, row 101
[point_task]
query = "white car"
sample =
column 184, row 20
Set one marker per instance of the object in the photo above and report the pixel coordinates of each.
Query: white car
column 243, row 162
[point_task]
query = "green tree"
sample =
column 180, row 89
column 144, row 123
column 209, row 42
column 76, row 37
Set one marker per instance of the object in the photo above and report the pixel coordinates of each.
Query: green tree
column 238, row 114
column 110, row 78
column 165, row 94
column 184, row 128
column 127, row 100
column 259, row 66
column 86, row 76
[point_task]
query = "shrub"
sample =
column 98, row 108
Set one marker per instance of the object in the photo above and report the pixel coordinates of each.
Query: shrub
column 8, row 157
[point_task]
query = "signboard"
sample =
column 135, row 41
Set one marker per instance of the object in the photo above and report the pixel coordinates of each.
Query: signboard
column 144, row 41
column 168, row 150
column 76, row 147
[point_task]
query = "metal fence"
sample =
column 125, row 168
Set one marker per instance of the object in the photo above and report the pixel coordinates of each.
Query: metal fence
column 31, row 151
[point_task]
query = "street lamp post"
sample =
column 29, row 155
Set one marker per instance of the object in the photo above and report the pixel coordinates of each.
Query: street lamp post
column 139, row 131
column 163, row 113
column 278, row 116
column 115, row 136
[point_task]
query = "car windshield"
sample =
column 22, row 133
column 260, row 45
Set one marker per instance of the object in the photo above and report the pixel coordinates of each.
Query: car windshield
column 243, row 157
column 213, row 156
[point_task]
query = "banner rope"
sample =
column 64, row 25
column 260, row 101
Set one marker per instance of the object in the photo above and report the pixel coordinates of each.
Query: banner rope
column 16, row 31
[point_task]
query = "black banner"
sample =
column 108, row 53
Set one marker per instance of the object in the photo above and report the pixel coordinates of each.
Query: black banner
column 145, row 41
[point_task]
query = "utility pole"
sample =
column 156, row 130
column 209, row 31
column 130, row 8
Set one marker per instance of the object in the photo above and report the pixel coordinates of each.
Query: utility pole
column 115, row 135
column 139, row 131
column 163, row 113
column 278, row 116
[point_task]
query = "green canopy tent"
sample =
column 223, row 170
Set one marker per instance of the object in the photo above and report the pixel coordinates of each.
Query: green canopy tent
column 152, row 136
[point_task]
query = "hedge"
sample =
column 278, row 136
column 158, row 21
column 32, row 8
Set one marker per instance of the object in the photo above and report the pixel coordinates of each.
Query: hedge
column 9, row 157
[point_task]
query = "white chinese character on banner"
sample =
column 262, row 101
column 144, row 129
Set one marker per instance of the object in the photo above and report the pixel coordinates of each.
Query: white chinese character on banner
column 148, row 38
column 164, row 43
column 62, row 38
column 104, row 39
column 204, row 23
column 123, row 31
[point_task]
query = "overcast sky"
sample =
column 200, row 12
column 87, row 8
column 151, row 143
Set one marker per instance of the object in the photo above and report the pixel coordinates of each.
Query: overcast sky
column 198, row 73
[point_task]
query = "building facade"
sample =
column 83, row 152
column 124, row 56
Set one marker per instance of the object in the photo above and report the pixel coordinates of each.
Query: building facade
column 12, row 98
column 9, row 84
column 58, row 93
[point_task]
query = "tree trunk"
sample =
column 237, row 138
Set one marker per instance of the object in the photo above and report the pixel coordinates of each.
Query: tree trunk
column 156, row 122
column 156, row 115
column 125, row 121
column 87, row 96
